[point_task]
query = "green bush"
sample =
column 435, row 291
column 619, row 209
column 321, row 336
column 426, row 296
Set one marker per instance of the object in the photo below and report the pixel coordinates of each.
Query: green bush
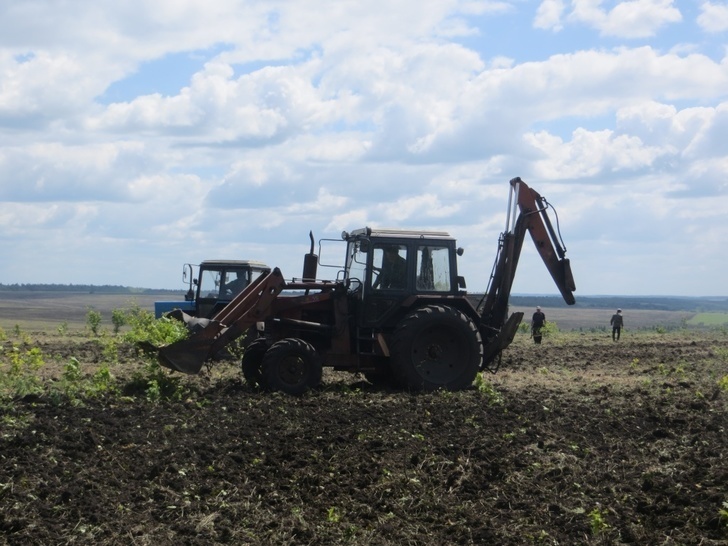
column 93, row 321
column 146, row 333
column 146, row 329
column 486, row 388
column 549, row 328
column 19, row 371
column 118, row 319
column 723, row 383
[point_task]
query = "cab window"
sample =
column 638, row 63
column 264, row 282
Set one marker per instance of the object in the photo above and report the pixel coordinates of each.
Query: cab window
column 389, row 263
column 433, row 268
column 235, row 281
column 210, row 283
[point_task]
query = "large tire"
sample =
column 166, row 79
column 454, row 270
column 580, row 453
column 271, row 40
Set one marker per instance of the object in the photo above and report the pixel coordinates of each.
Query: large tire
column 253, row 363
column 381, row 380
column 292, row 365
column 436, row 347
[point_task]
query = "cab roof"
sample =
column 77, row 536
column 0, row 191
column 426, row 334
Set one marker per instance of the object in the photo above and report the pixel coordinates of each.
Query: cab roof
column 399, row 233
column 235, row 263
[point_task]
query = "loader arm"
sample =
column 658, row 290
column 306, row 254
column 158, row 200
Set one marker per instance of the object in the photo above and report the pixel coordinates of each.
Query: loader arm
column 248, row 307
column 532, row 217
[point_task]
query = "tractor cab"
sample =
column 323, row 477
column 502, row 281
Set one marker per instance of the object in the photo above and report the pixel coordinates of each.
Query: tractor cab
column 219, row 281
column 386, row 269
column 212, row 285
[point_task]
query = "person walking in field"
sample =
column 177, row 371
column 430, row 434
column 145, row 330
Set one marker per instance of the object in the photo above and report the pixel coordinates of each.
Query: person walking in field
column 537, row 322
column 617, row 323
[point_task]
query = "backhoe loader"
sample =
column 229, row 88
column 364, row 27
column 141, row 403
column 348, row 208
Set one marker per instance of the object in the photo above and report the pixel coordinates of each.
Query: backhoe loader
column 397, row 312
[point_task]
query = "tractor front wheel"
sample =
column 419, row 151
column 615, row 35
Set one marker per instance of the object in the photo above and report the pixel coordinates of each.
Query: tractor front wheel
column 292, row 365
column 253, row 363
column 436, row 347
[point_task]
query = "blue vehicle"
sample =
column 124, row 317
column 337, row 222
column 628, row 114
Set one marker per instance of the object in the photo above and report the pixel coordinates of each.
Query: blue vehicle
column 211, row 286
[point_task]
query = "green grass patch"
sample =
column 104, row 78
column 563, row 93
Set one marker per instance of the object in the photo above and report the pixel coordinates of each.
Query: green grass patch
column 709, row 319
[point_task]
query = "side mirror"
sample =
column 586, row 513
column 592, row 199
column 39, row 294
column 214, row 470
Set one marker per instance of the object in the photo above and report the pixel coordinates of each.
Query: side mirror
column 461, row 283
column 364, row 245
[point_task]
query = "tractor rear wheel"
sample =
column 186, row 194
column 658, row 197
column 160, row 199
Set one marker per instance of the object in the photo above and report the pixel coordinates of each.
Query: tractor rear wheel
column 292, row 365
column 436, row 347
column 253, row 363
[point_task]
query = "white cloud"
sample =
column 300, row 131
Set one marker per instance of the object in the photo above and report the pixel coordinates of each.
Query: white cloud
column 583, row 84
column 549, row 15
column 590, row 153
column 713, row 16
column 632, row 19
column 423, row 207
column 691, row 132
column 410, row 114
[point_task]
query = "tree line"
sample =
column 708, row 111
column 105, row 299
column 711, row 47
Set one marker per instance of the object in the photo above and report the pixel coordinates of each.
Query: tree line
column 86, row 288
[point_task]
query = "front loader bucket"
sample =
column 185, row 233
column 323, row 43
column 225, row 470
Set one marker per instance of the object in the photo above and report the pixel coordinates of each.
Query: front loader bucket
column 188, row 355
column 235, row 319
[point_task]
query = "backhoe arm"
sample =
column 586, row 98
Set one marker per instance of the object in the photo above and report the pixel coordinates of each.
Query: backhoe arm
column 532, row 217
column 533, row 208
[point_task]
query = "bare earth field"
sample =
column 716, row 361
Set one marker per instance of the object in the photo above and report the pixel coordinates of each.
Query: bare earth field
column 31, row 310
column 578, row 441
column 48, row 310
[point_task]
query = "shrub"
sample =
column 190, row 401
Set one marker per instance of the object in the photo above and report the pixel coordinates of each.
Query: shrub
column 596, row 522
column 21, row 377
column 118, row 319
column 549, row 328
column 146, row 329
column 148, row 332
column 93, row 320
column 723, row 383
column 487, row 389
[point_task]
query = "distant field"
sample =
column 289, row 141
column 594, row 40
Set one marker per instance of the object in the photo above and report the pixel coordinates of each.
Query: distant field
column 709, row 319
column 46, row 311
column 575, row 318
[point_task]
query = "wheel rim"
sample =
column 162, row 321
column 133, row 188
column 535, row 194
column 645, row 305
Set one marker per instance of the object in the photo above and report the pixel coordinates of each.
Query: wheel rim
column 437, row 355
column 292, row 370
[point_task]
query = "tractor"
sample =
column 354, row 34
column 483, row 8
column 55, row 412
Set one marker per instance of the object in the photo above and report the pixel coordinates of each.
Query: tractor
column 214, row 286
column 397, row 311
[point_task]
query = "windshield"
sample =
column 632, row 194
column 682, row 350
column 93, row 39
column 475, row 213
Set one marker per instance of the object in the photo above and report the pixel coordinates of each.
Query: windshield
column 356, row 261
column 225, row 282
column 210, row 283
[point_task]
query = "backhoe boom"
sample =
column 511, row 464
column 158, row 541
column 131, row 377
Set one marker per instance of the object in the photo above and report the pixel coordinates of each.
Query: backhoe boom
column 532, row 217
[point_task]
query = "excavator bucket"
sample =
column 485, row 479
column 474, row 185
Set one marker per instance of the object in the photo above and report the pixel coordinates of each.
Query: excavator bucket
column 247, row 308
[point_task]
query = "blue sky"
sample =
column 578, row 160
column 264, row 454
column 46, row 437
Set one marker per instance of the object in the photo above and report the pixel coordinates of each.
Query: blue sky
column 137, row 136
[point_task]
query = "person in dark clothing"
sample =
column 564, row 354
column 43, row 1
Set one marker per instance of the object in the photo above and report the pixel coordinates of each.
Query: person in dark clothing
column 617, row 323
column 394, row 270
column 537, row 322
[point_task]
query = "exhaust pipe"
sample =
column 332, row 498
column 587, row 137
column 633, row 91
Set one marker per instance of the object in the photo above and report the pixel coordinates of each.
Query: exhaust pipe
column 310, row 263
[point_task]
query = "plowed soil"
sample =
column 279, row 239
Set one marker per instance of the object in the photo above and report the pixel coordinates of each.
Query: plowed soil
column 578, row 441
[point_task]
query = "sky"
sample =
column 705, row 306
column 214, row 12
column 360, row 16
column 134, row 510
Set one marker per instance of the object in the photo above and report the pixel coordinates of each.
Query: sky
column 138, row 136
